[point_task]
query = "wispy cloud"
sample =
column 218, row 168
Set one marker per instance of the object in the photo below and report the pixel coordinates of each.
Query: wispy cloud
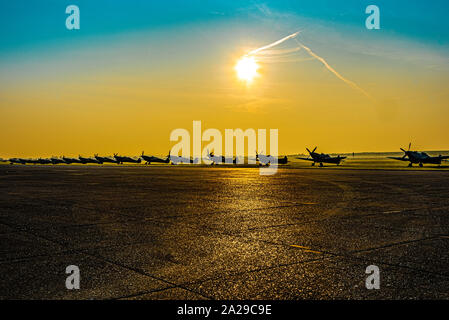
column 264, row 50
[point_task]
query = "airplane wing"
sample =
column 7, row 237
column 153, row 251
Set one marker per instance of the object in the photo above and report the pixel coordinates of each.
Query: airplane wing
column 443, row 157
column 342, row 157
column 307, row 159
column 399, row 158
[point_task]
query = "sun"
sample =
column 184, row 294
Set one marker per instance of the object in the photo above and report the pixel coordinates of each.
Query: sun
column 246, row 68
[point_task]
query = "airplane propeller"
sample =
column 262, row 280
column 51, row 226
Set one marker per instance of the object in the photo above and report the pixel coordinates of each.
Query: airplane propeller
column 310, row 152
column 406, row 152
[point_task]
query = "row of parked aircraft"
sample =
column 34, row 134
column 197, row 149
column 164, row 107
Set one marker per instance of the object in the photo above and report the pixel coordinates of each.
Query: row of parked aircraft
column 413, row 157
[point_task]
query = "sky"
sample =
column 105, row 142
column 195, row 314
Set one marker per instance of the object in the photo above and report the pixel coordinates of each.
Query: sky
column 136, row 70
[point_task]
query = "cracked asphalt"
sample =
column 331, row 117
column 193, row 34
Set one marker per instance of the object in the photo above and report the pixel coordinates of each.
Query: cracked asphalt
column 166, row 232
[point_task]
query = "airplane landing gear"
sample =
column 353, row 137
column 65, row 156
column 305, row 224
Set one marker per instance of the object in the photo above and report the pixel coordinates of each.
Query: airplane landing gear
column 410, row 164
column 421, row 165
column 313, row 164
column 321, row 164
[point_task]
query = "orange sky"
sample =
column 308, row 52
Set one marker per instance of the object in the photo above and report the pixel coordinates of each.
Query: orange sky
column 125, row 93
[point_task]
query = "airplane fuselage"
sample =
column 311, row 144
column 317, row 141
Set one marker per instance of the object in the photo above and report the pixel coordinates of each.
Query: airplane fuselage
column 221, row 159
column 121, row 160
column 105, row 159
column 422, row 157
column 88, row 160
column 149, row 159
column 18, row 161
column 57, row 161
column 71, row 160
column 322, row 158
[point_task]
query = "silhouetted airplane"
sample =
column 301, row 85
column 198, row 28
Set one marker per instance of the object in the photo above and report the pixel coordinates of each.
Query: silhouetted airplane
column 43, row 161
column 220, row 159
column 33, row 161
column 177, row 159
column 322, row 158
column 56, row 160
column 419, row 157
column 102, row 160
column 88, row 160
column 123, row 159
column 71, row 160
column 150, row 159
column 18, row 160
column 266, row 160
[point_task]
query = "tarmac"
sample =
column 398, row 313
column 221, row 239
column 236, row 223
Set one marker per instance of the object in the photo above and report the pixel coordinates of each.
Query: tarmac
column 180, row 232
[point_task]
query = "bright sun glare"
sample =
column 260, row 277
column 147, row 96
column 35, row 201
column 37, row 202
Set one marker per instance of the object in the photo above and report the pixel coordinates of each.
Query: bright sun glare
column 246, row 68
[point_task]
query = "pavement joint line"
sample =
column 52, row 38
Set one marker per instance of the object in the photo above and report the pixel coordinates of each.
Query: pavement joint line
column 307, row 221
column 234, row 211
column 277, row 244
column 115, row 263
column 288, row 224
column 226, row 232
column 144, row 273
column 397, row 244
column 148, row 292
column 34, row 257
column 374, row 224
column 83, row 225
column 377, row 261
column 71, row 251
column 351, row 256
column 225, row 276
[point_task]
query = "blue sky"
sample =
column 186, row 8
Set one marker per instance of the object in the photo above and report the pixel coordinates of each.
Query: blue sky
column 38, row 22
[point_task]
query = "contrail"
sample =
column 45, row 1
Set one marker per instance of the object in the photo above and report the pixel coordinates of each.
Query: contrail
column 312, row 54
column 272, row 44
column 339, row 76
